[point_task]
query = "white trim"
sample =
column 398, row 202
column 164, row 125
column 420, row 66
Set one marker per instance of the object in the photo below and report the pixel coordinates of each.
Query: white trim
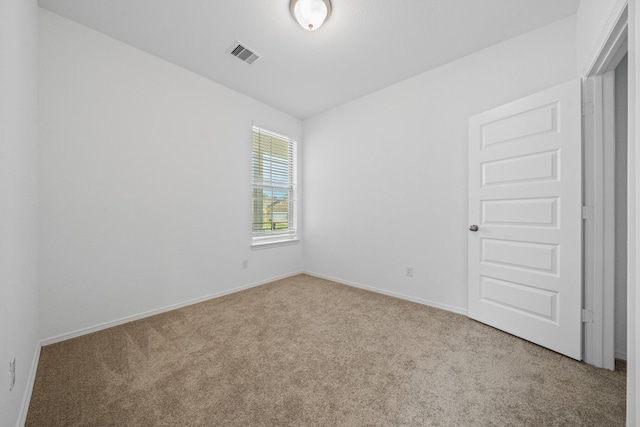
column 26, row 399
column 633, row 221
column 599, row 229
column 265, row 244
column 603, row 56
column 608, row 216
column 592, row 128
column 391, row 294
column 621, row 355
column 127, row 319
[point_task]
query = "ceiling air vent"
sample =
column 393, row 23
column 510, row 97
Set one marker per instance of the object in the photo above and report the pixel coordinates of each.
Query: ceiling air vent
column 243, row 52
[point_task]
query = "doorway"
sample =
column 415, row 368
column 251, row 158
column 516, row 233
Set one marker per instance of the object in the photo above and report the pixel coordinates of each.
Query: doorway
column 605, row 198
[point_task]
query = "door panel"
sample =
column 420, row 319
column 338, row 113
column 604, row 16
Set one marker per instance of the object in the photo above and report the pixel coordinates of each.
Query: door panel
column 530, row 167
column 519, row 297
column 520, row 255
column 525, row 196
column 527, row 123
column 532, row 212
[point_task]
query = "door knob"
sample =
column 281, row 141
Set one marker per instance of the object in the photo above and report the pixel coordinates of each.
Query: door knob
column 473, row 227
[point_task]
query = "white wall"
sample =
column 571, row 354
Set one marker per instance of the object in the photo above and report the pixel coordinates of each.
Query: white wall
column 143, row 171
column 386, row 175
column 595, row 19
column 18, row 223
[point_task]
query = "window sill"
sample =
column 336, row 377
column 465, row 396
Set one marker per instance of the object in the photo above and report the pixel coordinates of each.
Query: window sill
column 265, row 244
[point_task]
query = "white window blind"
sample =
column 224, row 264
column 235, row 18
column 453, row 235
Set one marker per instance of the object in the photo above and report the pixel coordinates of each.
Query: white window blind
column 273, row 166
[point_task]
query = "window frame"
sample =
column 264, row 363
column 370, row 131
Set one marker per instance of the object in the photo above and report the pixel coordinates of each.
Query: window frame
column 260, row 241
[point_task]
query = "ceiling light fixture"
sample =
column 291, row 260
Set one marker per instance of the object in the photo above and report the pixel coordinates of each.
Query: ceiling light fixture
column 310, row 14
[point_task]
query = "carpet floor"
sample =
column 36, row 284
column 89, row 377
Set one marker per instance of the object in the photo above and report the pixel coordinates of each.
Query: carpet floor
column 303, row 351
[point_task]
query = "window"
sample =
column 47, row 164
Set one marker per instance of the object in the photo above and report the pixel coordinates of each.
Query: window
column 273, row 167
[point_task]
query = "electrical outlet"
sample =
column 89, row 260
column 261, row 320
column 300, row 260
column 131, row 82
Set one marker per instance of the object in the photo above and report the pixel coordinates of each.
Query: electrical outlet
column 245, row 264
column 12, row 373
column 409, row 271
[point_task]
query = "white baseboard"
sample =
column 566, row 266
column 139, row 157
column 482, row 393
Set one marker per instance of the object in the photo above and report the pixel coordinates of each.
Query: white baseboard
column 26, row 398
column 620, row 355
column 392, row 294
column 127, row 319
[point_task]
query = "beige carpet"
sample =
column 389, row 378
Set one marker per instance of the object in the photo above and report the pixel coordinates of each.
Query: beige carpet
column 308, row 352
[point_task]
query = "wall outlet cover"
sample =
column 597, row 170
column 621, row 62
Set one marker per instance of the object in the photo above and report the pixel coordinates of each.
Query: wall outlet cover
column 409, row 271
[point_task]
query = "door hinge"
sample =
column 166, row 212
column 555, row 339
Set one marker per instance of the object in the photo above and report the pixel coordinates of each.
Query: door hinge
column 587, row 316
column 587, row 108
column 587, row 212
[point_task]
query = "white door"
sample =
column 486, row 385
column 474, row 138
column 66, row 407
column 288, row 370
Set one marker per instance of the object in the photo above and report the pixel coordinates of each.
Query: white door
column 525, row 199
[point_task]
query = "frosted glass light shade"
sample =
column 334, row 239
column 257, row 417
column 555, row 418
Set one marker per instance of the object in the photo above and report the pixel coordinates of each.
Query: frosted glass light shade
column 310, row 14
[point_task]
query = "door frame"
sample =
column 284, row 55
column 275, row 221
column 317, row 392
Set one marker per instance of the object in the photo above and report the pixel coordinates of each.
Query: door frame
column 598, row 88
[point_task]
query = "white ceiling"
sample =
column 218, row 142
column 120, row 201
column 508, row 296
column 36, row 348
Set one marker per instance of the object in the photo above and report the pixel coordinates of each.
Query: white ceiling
column 365, row 45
